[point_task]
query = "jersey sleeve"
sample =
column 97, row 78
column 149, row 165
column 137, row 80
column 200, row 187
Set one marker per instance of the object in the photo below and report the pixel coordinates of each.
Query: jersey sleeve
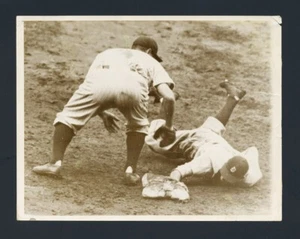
column 200, row 165
column 160, row 76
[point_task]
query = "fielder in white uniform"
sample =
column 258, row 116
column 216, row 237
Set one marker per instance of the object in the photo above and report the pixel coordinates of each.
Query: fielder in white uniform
column 206, row 152
column 118, row 78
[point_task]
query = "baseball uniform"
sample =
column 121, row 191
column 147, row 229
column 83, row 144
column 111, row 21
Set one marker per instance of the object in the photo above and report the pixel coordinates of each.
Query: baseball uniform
column 212, row 151
column 118, row 78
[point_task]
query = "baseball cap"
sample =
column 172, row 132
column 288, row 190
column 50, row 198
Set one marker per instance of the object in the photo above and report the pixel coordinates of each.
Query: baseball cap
column 235, row 169
column 148, row 42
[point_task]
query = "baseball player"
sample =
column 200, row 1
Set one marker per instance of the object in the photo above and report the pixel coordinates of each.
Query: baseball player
column 118, row 78
column 206, row 152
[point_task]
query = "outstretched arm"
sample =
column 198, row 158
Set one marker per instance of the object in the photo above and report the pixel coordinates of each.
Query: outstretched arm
column 168, row 103
column 198, row 166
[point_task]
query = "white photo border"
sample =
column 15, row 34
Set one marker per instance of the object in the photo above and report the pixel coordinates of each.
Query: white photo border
column 276, row 136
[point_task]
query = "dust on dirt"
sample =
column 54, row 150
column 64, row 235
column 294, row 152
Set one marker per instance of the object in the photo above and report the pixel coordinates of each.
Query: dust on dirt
column 197, row 55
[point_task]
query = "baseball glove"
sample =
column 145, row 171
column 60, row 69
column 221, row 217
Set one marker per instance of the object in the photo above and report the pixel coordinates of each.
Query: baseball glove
column 168, row 136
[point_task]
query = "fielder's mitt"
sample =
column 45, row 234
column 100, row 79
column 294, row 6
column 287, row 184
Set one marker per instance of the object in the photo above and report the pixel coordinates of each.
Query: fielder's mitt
column 159, row 186
column 168, row 136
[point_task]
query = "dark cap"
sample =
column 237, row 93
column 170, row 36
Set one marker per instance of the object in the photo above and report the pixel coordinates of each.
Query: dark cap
column 235, row 169
column 147, row 43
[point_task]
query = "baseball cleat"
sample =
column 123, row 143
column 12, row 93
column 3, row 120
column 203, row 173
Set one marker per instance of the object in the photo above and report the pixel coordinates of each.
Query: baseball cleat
column 131, row 178
column 48, row 169
column 232, row 90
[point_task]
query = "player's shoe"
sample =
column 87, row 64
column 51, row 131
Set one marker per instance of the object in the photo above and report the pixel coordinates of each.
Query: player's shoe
column 131, row 178
column 49, row 169
column 232, row 90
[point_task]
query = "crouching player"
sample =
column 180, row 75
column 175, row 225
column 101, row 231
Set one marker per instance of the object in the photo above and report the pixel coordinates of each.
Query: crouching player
column 206, row 152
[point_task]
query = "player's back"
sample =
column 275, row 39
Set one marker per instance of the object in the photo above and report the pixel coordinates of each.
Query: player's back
column 129, row 61
column 122, row 59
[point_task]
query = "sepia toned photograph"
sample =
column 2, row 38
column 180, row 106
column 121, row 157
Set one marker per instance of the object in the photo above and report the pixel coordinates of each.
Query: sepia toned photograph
column 174, row 118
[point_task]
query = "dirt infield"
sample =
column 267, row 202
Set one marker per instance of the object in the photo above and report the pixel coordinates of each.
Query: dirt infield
column 197, row 55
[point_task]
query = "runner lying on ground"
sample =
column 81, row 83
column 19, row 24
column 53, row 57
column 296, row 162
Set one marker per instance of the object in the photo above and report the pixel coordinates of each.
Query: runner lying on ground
column 206, row 152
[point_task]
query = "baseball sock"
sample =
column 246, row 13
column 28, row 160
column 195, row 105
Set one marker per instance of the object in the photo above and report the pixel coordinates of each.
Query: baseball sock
column 225, row 113
column 61, row 139
column 135, row 142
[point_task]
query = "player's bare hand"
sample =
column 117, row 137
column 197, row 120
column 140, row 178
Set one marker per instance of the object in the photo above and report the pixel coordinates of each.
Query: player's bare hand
column 110, row 121
column 176, row 175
